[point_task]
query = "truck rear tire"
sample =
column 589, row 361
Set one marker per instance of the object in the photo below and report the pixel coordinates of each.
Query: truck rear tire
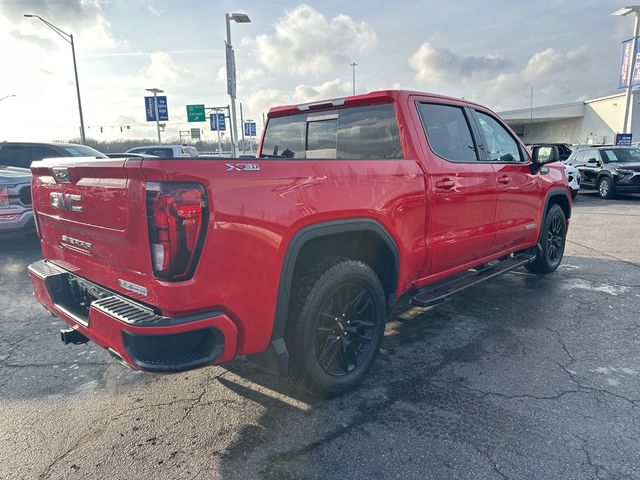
column 336, row 324
column 552, row 240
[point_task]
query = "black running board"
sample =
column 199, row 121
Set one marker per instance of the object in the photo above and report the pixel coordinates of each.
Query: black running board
column 441, row 292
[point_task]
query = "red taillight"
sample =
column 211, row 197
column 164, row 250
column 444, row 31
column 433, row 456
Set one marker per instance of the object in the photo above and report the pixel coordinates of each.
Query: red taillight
column 177, row 219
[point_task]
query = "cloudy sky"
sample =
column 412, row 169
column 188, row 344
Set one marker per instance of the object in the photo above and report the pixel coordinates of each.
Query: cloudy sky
column 490, row 51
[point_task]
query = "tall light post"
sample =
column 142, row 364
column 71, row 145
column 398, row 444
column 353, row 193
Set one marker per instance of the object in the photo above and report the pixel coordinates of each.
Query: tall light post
column 6, row 96
column 622, row 12
column 231, row 73
column 155, row 92
column 353, row 66
column 69, row 39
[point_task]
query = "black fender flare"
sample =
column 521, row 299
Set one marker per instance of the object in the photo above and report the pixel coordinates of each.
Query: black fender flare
column 311, row 232
column 553, row 193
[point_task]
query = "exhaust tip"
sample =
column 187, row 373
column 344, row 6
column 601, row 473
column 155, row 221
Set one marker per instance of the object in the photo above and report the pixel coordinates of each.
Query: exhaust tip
column 118, row 358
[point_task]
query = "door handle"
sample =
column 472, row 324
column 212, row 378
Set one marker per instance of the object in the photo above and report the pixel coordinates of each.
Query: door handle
column 505, row 179
column 445, row 184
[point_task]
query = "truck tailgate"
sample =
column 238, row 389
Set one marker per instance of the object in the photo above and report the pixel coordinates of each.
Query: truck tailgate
column 91, row 216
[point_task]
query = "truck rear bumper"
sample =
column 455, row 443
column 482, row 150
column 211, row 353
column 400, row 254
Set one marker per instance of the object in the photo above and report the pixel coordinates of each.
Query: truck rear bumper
column 134, row 333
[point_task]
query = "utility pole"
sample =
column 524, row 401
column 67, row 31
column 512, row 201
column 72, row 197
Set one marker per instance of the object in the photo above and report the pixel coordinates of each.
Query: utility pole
column 69, row 39
column 242, row 127
column 353, row 83
column 531, row 109
column 231, row 74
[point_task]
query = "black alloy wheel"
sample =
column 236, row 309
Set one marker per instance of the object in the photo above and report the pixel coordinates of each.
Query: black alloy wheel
column 555, row 240
column 344, row 333
column 552, row 242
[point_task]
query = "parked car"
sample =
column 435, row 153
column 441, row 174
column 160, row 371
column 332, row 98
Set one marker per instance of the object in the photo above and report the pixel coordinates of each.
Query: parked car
column 166, row 151
column 573, row 179
column 564, row 150
column 21, row 154
column 609, row 170
column 130, row 155
column 297, row 255
column 16, row 213
column 573, row 175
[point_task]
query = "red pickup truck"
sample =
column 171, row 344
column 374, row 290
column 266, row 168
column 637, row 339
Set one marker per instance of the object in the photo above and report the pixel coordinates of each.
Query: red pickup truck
column 300, row 254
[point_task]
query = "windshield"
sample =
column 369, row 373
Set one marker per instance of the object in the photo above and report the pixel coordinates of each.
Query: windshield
column 83, row 151
column 621, row 155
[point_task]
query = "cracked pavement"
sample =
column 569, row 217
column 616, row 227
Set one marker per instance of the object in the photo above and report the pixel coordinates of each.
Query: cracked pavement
column 520, row 377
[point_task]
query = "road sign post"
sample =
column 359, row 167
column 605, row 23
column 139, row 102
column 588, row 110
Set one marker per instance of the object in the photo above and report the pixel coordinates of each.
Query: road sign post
column 250, row 131
column 156, row 109
column 217, row 122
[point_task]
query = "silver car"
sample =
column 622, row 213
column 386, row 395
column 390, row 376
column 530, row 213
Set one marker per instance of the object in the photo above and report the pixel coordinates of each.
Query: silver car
column 16, row 213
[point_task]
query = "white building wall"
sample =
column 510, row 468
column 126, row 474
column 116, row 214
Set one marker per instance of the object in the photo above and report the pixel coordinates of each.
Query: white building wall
column 602, row 119
column 556, row 131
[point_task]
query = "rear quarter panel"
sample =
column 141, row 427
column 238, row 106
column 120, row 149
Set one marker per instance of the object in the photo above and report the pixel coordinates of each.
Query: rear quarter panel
column 255, row 214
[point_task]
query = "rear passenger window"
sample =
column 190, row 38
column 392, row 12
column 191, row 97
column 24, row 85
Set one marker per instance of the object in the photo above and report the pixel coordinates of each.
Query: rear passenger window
column 285, row 137
column 369, row 133
column 321, row 138
column 14, row 156
column 351, row 134
column 448, row 132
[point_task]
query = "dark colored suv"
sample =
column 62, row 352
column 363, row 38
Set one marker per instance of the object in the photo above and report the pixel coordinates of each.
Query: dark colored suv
column 610, row 170
column 21, row 154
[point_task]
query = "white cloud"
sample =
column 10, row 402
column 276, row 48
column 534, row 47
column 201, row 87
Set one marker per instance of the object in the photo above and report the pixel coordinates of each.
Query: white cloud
column 306, row 42
column 84, row 19
column 163, row 71
column 244, row 77
column 154, row 11
column 551, row 72
column 439, row 65
column 261, row 101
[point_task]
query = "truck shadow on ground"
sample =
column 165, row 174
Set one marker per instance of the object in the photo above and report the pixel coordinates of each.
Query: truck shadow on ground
column 428, row 381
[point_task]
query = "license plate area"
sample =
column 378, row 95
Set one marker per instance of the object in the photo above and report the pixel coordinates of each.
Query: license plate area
column 73, row 295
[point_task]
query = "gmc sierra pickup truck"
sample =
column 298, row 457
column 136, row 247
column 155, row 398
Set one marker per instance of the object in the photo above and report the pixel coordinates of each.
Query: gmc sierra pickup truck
column 299, row 254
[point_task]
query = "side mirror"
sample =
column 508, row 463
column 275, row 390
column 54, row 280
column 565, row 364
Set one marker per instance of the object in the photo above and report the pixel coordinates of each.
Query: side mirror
column 542, row 155
column 593, row 161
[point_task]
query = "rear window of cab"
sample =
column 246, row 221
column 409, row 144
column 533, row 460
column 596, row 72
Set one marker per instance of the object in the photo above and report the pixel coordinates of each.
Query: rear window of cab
column 356, row 133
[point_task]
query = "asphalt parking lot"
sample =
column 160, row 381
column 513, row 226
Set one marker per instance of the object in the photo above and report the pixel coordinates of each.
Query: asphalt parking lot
column 521, row 377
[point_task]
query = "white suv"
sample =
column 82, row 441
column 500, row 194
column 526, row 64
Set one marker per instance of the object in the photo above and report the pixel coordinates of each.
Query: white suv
column 166, row 151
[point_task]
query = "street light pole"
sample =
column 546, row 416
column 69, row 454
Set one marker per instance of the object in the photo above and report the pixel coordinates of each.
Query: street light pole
column 231, row 74
column 353, row 66
column 622, row 12
column 155, row 92
column 69, row 39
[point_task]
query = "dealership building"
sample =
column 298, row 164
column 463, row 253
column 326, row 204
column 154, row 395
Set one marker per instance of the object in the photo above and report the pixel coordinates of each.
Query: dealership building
column 591, row 121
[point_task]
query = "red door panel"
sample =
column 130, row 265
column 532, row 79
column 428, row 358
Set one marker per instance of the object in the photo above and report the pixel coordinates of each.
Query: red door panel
column 518, row 206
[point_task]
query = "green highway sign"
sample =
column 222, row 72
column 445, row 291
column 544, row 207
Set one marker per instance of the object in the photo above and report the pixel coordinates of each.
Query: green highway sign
column 195, row 113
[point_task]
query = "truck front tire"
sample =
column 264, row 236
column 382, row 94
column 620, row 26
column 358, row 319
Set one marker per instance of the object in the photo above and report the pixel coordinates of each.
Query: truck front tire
column 552, row 241
column 336, row 324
